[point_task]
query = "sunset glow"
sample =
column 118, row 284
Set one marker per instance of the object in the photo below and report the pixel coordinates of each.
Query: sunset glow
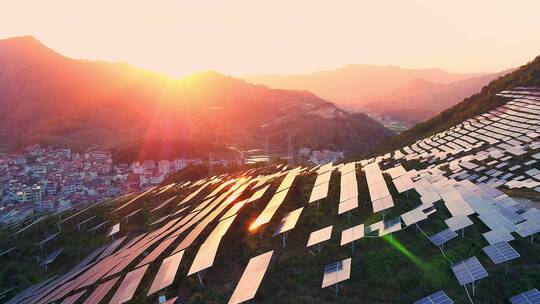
column 241, row 37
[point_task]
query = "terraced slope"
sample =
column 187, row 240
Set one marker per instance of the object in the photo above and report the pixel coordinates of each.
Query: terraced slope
column 404, row 225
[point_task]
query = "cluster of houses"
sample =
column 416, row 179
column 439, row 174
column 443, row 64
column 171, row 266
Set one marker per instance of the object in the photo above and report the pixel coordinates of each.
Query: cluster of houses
column 48, row 179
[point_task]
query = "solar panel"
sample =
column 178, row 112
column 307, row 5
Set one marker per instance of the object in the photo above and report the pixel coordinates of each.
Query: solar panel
column 90, row 257
column 383, row 203
column 468, row 271
column 51, row 257
column 442, row 237
column 336, row 272
column 319, row 236
column 73, row 298
column 207, row 251
column 251, row 278
column 163, row 204
column 498, row 235
column 437, row 298
column 113, row 230
column 289, row 221
column 268, row 212
column 319, row 192
column 127, row 288
column 154, row 254
column 390, row 226
column 414, row 216
column 348, row 205
column 166, row 273
column 112, row 247
column 528, row 297
column 352, row 234
column 458, row 222
column 501, row 252
column 101, row 291
column 527, row 228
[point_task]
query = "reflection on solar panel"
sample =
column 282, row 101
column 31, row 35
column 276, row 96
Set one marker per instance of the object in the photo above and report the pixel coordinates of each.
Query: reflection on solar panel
column 207, row 252
column 529, row 297
column 498, row 235
column 319, row 236
column 501, row 252
column 113, row 230
column 171, row 301
column 403, row 183
column 127, row 288
column 383, row 203
column 251, row 278
column 268, row 212
column 437, row 298
column 101, row 291
column 166, row 273
column 73, row 298
column 352, row 234
column 319, row 192
column 257, row 195
column 348, row 205
column 442, row 237
column 157, row 251
column 289, row 221
column 468, row 271
column 336, row 272
column 458, row 222
column 414, row 216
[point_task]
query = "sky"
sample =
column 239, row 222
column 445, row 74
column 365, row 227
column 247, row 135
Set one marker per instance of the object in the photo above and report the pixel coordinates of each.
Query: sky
column 287, row 37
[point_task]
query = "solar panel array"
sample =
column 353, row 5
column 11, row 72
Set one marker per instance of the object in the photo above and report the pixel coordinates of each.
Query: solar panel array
column 468, row 271
column 501, row 252
column 251, row 278
column 437, row 298
column 461, row 166
column 336, row 272
column 529, row 297
column 442, row 237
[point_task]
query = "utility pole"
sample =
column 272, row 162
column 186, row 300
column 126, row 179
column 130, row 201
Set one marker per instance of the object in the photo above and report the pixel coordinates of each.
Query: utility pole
column 291, row 161
column 209, row 163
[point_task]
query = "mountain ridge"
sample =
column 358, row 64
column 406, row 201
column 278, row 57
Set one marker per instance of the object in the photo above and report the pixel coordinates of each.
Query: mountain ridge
column 79, row 103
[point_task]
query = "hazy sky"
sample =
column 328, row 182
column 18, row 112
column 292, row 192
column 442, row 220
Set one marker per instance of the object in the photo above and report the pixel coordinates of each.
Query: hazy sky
column 239, row 37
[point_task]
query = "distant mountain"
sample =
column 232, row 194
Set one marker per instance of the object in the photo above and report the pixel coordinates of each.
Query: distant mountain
column 481, row 102
column 407, row 95
column 356, row 83
column 46, row 97
column 420, row 99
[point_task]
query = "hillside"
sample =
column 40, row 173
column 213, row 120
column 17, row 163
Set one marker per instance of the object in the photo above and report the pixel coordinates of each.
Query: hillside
column 48, row 98
column 483, row 101
column 420, row 99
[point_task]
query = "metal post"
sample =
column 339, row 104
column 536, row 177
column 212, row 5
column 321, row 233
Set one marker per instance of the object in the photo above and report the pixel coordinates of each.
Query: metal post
column 200, row 277
column 473, row 288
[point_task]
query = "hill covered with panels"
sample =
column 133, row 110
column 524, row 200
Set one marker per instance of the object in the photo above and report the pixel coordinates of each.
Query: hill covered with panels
column 392, row 229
